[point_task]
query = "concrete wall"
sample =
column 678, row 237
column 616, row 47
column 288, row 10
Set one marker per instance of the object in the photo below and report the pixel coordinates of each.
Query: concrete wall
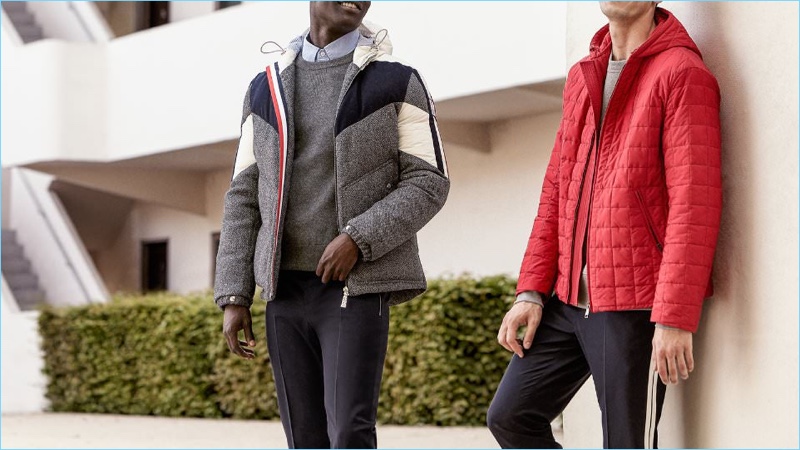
column 184, row 83
column 484, row 226
column 189, row 258
column 23, row 384
column 744, row 390
column 186, row 10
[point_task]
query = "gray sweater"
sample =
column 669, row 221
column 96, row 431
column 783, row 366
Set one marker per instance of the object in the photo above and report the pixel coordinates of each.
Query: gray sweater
column 311, row 210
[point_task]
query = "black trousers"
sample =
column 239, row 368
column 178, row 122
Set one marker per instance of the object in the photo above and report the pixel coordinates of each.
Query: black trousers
column 613, row 347
column 327, row 358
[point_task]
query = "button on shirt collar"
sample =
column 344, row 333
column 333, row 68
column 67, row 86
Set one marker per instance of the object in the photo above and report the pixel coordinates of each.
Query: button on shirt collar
column 336, row 49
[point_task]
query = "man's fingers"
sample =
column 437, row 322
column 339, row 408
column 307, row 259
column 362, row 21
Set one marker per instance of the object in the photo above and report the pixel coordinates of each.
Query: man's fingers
column 247, row 350
column 233, row 344
column 320, row 269
column 661, row 364
column 324, row 275
column 683, row 370
column 672, row 364
column 527, row 340
column 534, row 318
column 248, row 334
column 689, row 359
column 511, row 339
column 501, row 337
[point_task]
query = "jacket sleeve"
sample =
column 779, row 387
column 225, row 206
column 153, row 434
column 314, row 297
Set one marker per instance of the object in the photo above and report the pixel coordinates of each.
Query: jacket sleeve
column 539, row 265
column 234, row 283
column 691, row 146
column 423, row 180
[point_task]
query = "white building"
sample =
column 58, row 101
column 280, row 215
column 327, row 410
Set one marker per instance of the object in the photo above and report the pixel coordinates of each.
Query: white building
column 118, row 139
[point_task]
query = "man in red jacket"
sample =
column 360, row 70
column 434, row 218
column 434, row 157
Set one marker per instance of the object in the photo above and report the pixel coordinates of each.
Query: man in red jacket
column 619, row 260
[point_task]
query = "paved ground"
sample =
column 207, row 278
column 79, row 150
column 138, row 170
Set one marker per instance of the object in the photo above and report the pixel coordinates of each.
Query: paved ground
column 58, row 430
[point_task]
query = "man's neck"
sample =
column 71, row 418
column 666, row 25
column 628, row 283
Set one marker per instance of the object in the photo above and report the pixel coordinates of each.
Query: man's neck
column 321, row 36
column 627, row 36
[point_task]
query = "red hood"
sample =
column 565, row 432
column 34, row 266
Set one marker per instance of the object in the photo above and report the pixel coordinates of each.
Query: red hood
column 669, row 33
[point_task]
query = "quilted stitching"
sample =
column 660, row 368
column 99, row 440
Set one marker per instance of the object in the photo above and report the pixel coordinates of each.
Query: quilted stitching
column 660, row 143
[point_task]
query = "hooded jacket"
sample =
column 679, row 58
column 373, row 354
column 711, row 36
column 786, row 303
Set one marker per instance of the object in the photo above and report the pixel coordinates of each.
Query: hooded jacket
column 654, row 201
column 390, row 175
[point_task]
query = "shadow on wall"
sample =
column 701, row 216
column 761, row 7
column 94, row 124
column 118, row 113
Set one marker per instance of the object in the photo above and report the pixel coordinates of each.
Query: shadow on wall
column 731, row 318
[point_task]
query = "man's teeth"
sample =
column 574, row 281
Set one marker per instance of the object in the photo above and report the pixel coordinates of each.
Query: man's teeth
column 349, row 5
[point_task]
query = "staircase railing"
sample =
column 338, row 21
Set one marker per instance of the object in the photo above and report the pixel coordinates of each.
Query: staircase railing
column 48, row 237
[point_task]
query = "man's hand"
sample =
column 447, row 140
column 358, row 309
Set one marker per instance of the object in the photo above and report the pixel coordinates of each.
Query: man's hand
column 238, row 318
column 672, row 354
column 522, row 314
column 338, row 259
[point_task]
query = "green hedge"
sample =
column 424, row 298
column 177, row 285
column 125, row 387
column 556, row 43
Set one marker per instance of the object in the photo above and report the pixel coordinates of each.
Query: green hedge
column 165, row 355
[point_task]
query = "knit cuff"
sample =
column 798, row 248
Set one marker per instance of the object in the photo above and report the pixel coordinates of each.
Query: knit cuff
column 666, row 327
column 530, row 297
column 361, row 242
column 238, row 300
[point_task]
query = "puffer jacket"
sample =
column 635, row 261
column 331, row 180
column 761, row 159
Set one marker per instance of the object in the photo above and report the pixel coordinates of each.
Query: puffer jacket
column 390, row 175
column 654, row 201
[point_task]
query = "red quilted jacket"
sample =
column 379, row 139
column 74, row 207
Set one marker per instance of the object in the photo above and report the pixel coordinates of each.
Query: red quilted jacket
column 653, row 198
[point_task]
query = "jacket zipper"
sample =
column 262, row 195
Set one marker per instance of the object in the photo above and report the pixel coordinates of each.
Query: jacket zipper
column 649, row 221
column 575, row 224
column 591, row 192
column 335, row 166
column 589, row 221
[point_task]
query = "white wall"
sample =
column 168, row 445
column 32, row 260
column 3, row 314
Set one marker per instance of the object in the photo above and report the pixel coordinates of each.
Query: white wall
column 187, row 10
column 484, row 226
column 54, row 102
column 744, row 391
column 183, row 83
column 23, row 384
column 189, row 245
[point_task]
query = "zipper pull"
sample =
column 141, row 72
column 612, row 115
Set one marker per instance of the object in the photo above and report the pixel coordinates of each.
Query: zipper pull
column 588, row 306
column 344, row 297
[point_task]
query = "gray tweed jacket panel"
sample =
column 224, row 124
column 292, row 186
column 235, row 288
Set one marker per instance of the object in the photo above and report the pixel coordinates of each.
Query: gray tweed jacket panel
column 390, row 169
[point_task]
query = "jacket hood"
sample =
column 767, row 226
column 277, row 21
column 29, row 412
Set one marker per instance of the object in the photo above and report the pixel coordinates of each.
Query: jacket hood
column 669, row 33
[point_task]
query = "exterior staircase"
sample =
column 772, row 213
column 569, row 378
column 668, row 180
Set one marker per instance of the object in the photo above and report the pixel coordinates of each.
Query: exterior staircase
column 19, row 274
column 24, row 21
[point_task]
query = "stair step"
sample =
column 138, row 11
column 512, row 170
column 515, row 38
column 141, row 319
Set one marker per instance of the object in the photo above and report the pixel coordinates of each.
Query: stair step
column 28, row 299
column 19, row 281
column 8, row 236
column 29, row 32
column 21, row 17
column 14, row 6
column 14, row 251
column 16, row 265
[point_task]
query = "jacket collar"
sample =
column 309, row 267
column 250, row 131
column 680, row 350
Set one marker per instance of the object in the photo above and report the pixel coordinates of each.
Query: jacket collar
column 669, row 33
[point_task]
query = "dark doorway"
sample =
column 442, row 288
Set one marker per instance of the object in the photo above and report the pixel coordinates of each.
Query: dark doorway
column 154, row 266
column 151, row 14
column 223, row 5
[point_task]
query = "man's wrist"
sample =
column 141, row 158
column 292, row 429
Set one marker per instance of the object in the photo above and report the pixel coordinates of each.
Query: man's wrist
column 667, row 327
column 530, row 297
column 237, row 300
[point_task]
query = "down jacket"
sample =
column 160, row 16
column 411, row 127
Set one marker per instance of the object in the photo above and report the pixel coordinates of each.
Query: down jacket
column 654, row 200
column 390, row 175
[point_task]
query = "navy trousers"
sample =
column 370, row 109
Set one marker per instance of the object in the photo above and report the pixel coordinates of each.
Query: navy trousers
column 327, row 357
column 613, row 347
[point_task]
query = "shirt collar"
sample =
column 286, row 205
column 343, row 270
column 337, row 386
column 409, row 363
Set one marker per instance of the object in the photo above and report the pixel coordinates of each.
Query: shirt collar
column 336, row 49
